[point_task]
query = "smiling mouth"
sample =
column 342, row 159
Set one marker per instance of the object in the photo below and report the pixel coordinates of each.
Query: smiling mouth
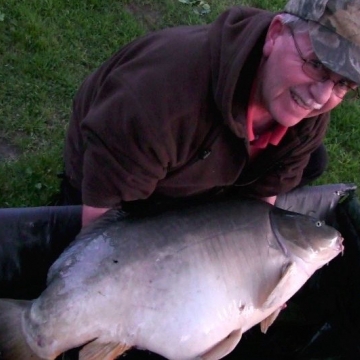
column 303, row 104
column 300, row 101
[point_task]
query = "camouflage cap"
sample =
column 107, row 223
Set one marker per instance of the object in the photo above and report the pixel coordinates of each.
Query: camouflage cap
column 334, row 27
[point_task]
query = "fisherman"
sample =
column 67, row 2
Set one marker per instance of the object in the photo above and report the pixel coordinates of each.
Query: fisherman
column 241, row 104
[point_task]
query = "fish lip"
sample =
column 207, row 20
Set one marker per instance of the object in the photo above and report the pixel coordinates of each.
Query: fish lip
column 340, row 244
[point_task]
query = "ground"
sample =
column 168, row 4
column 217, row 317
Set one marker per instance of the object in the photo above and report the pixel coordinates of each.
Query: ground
column 7, row 150
column 144, row 13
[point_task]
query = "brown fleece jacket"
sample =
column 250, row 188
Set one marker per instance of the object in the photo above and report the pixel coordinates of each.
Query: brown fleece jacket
column 166, row 115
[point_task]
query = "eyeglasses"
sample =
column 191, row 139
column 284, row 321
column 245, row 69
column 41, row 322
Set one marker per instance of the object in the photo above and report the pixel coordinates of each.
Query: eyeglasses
column 343, row 88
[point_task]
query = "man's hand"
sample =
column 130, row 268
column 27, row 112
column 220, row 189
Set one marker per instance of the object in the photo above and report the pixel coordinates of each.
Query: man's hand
column 90, row 213
column 270, row 199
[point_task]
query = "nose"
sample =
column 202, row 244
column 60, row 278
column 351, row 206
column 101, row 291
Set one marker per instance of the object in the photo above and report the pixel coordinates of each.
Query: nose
column 322, row 91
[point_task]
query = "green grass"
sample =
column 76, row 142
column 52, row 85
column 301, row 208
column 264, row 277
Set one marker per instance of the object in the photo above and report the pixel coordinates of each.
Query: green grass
column 47, row 48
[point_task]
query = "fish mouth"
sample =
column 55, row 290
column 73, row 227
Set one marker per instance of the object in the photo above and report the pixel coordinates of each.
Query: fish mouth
column 339, row 246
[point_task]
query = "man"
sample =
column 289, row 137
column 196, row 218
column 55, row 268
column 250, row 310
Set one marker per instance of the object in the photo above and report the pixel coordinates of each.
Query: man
column 242, row 103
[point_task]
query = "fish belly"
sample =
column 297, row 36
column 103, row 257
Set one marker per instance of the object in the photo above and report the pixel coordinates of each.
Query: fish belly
column 175, row 286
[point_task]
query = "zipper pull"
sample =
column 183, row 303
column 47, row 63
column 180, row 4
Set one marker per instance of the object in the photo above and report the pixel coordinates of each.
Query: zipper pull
column 203, row 154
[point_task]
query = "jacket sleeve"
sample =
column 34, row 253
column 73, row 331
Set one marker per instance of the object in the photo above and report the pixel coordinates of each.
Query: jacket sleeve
column 287, row 163
column 125, row 154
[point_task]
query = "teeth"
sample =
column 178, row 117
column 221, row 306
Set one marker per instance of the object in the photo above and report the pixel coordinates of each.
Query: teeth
column 317, row 106
column 296, row 99
column 300, row 102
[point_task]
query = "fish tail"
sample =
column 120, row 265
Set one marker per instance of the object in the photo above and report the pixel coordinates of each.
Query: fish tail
column 13, row 345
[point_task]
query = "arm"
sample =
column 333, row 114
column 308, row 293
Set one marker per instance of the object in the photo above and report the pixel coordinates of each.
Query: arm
column 270, row 199
column 303, row 140
column 90, row 214
column 123, row 158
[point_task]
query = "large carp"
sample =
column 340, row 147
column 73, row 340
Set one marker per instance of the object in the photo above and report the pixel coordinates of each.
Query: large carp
column 184, row 284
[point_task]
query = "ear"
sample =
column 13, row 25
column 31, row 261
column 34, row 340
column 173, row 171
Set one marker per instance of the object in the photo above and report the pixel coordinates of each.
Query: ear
column 275, row 30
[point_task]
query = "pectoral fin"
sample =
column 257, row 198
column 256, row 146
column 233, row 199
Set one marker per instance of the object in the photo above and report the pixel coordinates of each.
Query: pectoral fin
column 281, row 288
column 223, row 348
column 100, row 351
column 267, row 322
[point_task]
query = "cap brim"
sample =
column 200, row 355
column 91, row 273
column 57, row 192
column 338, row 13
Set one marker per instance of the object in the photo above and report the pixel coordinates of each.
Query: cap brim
column 335, row 52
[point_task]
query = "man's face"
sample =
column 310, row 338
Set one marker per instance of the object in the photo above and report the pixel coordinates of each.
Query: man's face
column 286, row 92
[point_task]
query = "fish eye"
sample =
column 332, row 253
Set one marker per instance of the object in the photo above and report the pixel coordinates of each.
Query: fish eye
column 318, row 224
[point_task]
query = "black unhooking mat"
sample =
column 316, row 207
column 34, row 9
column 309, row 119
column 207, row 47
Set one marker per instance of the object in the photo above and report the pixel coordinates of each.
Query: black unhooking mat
column 321, row 321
